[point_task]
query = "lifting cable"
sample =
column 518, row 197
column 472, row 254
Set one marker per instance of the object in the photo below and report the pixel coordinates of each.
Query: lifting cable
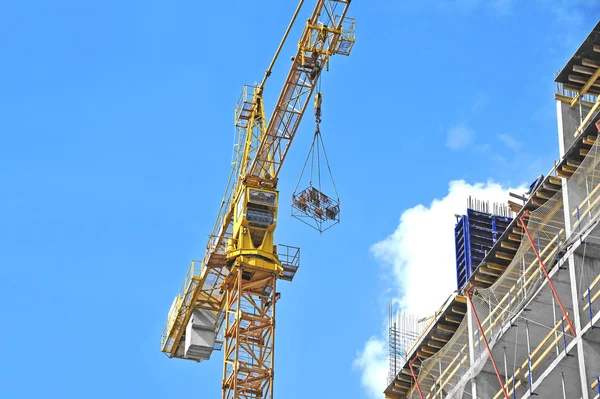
column 316, row 148
column 311, row 205
column 287, row 31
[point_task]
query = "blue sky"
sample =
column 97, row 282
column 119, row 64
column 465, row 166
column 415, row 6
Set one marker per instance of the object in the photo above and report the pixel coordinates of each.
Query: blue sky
column 116, row 121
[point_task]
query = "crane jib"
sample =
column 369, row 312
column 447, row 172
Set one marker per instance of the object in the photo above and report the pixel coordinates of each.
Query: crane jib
column 319, row 41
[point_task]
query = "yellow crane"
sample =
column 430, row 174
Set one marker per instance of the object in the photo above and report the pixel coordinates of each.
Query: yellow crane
column 227, row 301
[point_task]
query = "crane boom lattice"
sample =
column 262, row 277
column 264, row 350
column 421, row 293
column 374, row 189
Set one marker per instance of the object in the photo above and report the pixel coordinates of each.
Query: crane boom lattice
column 228, row 299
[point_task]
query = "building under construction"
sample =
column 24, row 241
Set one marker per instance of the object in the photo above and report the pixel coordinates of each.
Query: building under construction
column 525, row 323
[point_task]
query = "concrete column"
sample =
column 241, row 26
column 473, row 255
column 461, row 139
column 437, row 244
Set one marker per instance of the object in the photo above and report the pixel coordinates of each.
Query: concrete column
column 488, row 384
column 471, row 329
column 569, row 120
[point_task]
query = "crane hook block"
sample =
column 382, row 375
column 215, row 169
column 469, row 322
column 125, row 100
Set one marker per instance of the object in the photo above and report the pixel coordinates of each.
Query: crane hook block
column 317, row 104
column 318, row 100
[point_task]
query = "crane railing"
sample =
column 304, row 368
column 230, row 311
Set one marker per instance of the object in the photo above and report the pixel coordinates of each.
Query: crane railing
column 200, row 290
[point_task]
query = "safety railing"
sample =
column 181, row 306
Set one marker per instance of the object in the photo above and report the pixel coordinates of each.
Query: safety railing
column 535, row 357
column 587, row 179
column 181, row 302
column 589, row 298
column 518, row 282
column 543, row 236
column 562, row 91
column 290, row 261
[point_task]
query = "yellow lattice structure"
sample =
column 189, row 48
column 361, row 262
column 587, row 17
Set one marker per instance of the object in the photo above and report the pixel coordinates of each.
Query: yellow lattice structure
column 228, row 298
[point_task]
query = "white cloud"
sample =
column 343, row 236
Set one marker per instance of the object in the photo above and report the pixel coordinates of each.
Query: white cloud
column 459, row 137
column 510, row 142
column 420, row 256
column 421, row 250
column 373, row 361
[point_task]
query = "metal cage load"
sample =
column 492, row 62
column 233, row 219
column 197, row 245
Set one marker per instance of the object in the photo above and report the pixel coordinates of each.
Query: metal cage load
column 316, row 208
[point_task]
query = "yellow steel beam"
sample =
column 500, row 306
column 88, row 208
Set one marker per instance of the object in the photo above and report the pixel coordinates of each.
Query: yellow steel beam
column 591, row 286
column 592, row 300
column 548, row 349
column 587, row 118
column 287, row 31
column 586, row 87
column 567, row 99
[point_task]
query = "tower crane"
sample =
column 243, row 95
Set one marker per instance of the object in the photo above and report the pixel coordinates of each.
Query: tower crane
column 228, row 299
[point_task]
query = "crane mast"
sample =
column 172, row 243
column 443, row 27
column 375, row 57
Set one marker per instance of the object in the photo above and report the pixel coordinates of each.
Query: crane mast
column 228, row 299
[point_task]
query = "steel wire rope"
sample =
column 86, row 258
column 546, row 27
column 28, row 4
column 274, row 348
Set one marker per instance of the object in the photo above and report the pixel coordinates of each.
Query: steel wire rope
column 308, row 156
column 329, row 169
column 317, row 135
column 337, row 197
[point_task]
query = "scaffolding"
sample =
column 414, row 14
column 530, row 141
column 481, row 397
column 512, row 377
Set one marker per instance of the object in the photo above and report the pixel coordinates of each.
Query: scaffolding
column 530, row 325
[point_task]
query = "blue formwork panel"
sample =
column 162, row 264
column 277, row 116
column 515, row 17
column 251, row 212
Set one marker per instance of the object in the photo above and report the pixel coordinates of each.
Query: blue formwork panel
column 462, row 258
column 474, row 235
